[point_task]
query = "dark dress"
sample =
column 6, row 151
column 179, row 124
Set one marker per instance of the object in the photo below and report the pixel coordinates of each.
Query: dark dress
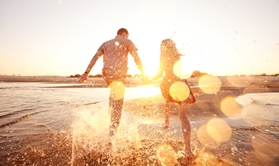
column 167, row 65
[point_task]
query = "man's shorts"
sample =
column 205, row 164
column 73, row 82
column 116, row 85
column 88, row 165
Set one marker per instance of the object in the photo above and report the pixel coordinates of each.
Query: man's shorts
column 117, row 86
column 110, row 79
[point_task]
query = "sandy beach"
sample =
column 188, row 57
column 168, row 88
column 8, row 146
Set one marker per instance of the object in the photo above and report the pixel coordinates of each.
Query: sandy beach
column 56, row 148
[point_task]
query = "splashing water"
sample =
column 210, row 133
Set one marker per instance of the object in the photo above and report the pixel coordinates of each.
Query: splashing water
column 91, row 139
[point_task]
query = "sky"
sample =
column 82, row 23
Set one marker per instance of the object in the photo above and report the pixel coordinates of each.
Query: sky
column 219, row 37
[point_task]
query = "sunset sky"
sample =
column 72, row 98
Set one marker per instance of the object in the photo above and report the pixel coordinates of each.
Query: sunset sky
column 219, row 37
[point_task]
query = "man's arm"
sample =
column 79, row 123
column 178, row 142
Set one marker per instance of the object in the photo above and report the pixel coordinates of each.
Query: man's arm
column 139, row 65
column 84, row 76
column 138, row 62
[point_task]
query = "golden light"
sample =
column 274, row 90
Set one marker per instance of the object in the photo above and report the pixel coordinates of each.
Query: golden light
column 205, row 138
column 210, row 84
column 116, row 43
column 151, row 66
column 177, row 69
column 230, row 107
column 179, row 91
column 206, row 158
column 117, row 90
column 166, row 155
column 218, row 129
column 150, row 90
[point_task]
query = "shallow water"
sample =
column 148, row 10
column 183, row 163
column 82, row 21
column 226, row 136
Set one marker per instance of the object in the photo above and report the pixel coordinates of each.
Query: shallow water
column 42, row 124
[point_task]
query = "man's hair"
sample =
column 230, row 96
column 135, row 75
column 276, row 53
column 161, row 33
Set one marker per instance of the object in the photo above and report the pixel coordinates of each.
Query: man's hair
column 121, row 30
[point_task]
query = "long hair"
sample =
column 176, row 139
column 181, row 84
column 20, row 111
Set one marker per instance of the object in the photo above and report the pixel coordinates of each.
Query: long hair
column 170, row 58
column 169, row 49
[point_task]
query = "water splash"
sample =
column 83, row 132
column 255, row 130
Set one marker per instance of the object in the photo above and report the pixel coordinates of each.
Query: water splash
column 91, row 141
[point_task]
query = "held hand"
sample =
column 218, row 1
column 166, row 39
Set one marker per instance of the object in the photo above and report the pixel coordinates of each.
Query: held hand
column 151, row 81
column 82, row 78
column 145, row 80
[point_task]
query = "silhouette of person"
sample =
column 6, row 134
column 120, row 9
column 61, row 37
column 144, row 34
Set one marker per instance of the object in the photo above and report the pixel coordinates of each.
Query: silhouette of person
column 175, row 89
column 115, row 61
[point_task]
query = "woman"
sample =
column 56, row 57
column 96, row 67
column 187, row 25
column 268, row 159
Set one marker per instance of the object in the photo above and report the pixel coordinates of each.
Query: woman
column 174, row 89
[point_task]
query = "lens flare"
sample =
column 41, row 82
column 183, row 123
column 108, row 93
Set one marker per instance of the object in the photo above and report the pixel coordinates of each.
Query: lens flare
column 117, row 90
column 219, row 130
column 116, row 43
column 166, row 155
column 205, row 139
column 210, row 84
column 230, row 107
column 177, row 69
column 179, row 91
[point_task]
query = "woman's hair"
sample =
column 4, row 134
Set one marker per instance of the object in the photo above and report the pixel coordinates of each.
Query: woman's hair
column 168, row 48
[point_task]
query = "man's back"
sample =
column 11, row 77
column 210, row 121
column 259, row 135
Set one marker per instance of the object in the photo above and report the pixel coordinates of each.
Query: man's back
column 115, row 56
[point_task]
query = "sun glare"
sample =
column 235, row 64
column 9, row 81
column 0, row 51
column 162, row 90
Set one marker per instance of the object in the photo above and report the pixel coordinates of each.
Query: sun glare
column 151, row 68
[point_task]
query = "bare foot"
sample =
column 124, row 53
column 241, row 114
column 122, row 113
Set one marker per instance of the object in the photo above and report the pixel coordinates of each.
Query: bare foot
column 190, row 158
column 166, row 126
column 108, row 149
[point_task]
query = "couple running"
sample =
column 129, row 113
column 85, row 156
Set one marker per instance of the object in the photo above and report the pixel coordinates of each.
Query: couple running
column 173, row 88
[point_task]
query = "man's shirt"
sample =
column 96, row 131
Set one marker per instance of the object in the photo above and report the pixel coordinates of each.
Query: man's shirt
column 115, row 56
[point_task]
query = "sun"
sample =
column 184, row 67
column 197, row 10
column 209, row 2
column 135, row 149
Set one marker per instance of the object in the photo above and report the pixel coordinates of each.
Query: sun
column 151, row 67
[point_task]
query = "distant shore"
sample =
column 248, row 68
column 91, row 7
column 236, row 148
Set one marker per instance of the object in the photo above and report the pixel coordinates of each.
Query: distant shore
column 271, row 82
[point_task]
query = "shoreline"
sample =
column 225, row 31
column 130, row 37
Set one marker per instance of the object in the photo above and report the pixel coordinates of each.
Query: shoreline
column 227, row 81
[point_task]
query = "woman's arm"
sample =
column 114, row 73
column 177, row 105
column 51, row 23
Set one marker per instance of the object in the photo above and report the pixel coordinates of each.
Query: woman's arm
column 160, row 72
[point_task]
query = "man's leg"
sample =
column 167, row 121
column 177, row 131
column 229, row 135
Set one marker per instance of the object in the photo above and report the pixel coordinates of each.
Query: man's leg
column 117, row 90
column 115, row 117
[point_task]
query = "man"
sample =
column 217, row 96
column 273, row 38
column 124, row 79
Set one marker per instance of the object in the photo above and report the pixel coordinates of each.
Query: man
column 115, row 61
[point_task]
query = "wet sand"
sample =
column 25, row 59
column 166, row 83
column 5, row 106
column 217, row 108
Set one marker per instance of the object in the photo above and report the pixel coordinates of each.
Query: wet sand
column 238, row 150
column 56, row 148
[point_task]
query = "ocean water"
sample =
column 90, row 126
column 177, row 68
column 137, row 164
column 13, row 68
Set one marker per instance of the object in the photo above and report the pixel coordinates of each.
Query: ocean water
column 54, row 124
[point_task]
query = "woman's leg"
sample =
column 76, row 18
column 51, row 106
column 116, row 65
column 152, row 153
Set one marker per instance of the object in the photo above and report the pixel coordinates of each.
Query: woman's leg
column 167, row 115
column 186, row 129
